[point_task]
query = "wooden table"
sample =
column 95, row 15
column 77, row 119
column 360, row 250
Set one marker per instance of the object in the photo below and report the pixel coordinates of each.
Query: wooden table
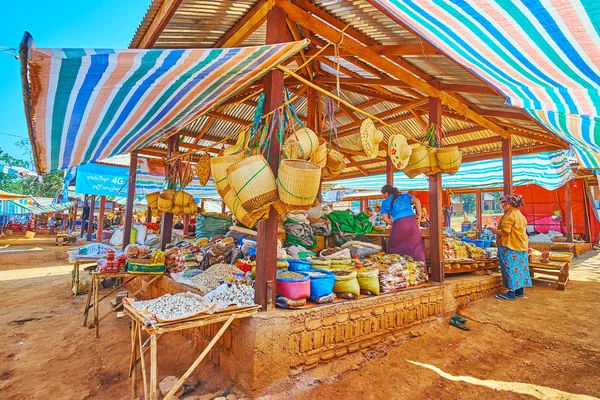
column 75, row 273
column 552, row 268
column 62, row 239
column 94, row 299
column 155, row 331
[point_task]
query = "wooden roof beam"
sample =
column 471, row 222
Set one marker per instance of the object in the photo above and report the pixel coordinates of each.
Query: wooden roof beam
column 293, row 28
column 247, row 25
column 388, row 50
column 333, row 35
column 363, row 81
column 471, row 89
column 159, row 23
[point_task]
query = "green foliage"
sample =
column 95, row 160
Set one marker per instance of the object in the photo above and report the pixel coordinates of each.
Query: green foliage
column 49, row 186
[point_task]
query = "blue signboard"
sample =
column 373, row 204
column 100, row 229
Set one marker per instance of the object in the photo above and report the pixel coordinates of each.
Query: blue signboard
column 101, row 180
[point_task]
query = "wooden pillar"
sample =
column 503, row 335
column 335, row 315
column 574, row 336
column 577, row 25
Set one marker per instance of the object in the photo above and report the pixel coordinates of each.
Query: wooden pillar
column 133, row 159
column 85, row 202
column 587, row 200
column 479, row 209
column 166, row 223
column 266, row 251
column 435, row 204
column 149, row 215
column 389, row 171
column 223, row 208
column 201, row 205
column 186, row 224
column 101, row 219
column 312, row 122
column 507, row 165
column 569, row 212
column 90, row 227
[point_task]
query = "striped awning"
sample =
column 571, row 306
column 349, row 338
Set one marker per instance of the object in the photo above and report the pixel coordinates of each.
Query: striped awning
column 548, row 170
column 84, row 105
column 22, row 172
column 39, row 209
column 543, row 55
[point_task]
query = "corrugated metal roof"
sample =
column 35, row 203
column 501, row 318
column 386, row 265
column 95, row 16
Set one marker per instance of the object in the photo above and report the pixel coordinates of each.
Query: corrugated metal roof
column 204, row 23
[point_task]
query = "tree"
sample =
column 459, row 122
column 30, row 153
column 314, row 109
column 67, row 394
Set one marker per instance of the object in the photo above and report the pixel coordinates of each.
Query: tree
column 48, row 185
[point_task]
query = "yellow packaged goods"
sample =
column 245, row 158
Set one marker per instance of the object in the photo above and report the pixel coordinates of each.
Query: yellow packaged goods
column 253, row 182
column 298, row 183
column 346, row 284
column 368, row 280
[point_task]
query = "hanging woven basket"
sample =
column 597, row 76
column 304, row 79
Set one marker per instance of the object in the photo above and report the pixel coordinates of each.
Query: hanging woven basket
column 218, row 169
column 419, row 162
column 240, row 213
column 253, row 182
column 203, row 169
column 182, row 198
column 433, row 162
column 301, row 144
column 449, row 159
column 319, row 157
column 165, row 202
column 298, row 183
column 152, row 199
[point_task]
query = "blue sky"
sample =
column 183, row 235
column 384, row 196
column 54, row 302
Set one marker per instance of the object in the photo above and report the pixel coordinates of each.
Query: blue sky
column 63, row 23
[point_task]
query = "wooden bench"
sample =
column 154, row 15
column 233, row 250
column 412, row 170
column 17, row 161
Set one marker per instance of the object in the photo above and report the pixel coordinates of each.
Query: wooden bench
column 552, row 268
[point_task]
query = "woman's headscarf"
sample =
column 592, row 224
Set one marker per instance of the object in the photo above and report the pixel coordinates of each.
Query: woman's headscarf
column 515, row 200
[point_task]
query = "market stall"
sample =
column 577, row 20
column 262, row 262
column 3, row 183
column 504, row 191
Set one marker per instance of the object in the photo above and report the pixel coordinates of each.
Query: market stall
column 322, row 112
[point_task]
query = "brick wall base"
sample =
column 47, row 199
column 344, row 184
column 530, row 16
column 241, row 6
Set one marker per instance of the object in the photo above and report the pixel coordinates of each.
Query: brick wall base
column 266, row 349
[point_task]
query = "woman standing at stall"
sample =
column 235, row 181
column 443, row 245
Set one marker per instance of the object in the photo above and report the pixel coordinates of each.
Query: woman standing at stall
column 397, row 210
column 513, row 248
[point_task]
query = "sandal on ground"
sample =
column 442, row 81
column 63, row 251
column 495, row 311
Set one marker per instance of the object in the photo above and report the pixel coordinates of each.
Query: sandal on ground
column 459, row 318
column 459, row 325
column 506, row 296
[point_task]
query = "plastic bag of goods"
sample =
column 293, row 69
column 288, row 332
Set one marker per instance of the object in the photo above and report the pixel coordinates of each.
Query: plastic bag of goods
column 293, row 285
column 208, row 225
column 299, row 265
column 346, row 285
column 321, row 283
column 368, row 280
column 284, row 302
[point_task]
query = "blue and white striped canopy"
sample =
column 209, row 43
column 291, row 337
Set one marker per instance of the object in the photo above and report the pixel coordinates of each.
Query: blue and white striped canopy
column 548, row 170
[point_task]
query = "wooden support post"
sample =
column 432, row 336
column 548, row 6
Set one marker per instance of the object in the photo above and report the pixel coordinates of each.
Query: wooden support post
column 186, row 224
column 507, row 165
column 569, row 212
column 312, row 122
column 223, row 208
column 101, row 219
column 90, row 227
column 479, row 209
column 85, row 202
column 389, row 171
column 587, row 200
column 266, row 252
column 166, row 224
column 435, row 204
column 149, row 215
column 202, row 206
column 133, row 159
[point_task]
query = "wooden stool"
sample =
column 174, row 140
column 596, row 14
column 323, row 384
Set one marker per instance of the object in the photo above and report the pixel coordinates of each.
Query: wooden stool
column 553, row 268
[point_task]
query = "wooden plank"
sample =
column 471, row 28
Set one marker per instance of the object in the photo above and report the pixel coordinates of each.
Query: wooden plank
column 363, row 81
column 159, row 22
column 101, row 219
column 133, row 159
column 389, row 172
column 316, row 25
column 507, row 154
column 266, row 254
column 166, row 223
column 479, row 209
column 247, row 25
column 569, row 212
column 387, row 50
column 473, row 89
column 476, row 142
column 436, row 217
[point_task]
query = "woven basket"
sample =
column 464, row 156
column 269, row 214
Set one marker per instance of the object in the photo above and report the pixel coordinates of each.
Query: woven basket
column 249, row 219
column 182, row 198
column 433, row 162
column 203, row 169
column 319, row 157
column 335, row 160
column 419, row 162
column 152, row 199
column 218, row 169
column 165, row 202
column 449, row 159
column 253, row 182
column 301, row 144
column 298, row 183
column 177, row 210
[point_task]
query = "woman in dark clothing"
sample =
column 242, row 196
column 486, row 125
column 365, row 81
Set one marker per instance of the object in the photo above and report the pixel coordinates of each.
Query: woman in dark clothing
column 397, row 210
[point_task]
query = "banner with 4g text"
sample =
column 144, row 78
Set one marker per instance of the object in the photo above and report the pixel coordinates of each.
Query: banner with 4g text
column 101, row 180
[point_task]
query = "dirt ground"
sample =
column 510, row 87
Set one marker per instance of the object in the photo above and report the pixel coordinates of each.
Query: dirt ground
column 546, row 346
